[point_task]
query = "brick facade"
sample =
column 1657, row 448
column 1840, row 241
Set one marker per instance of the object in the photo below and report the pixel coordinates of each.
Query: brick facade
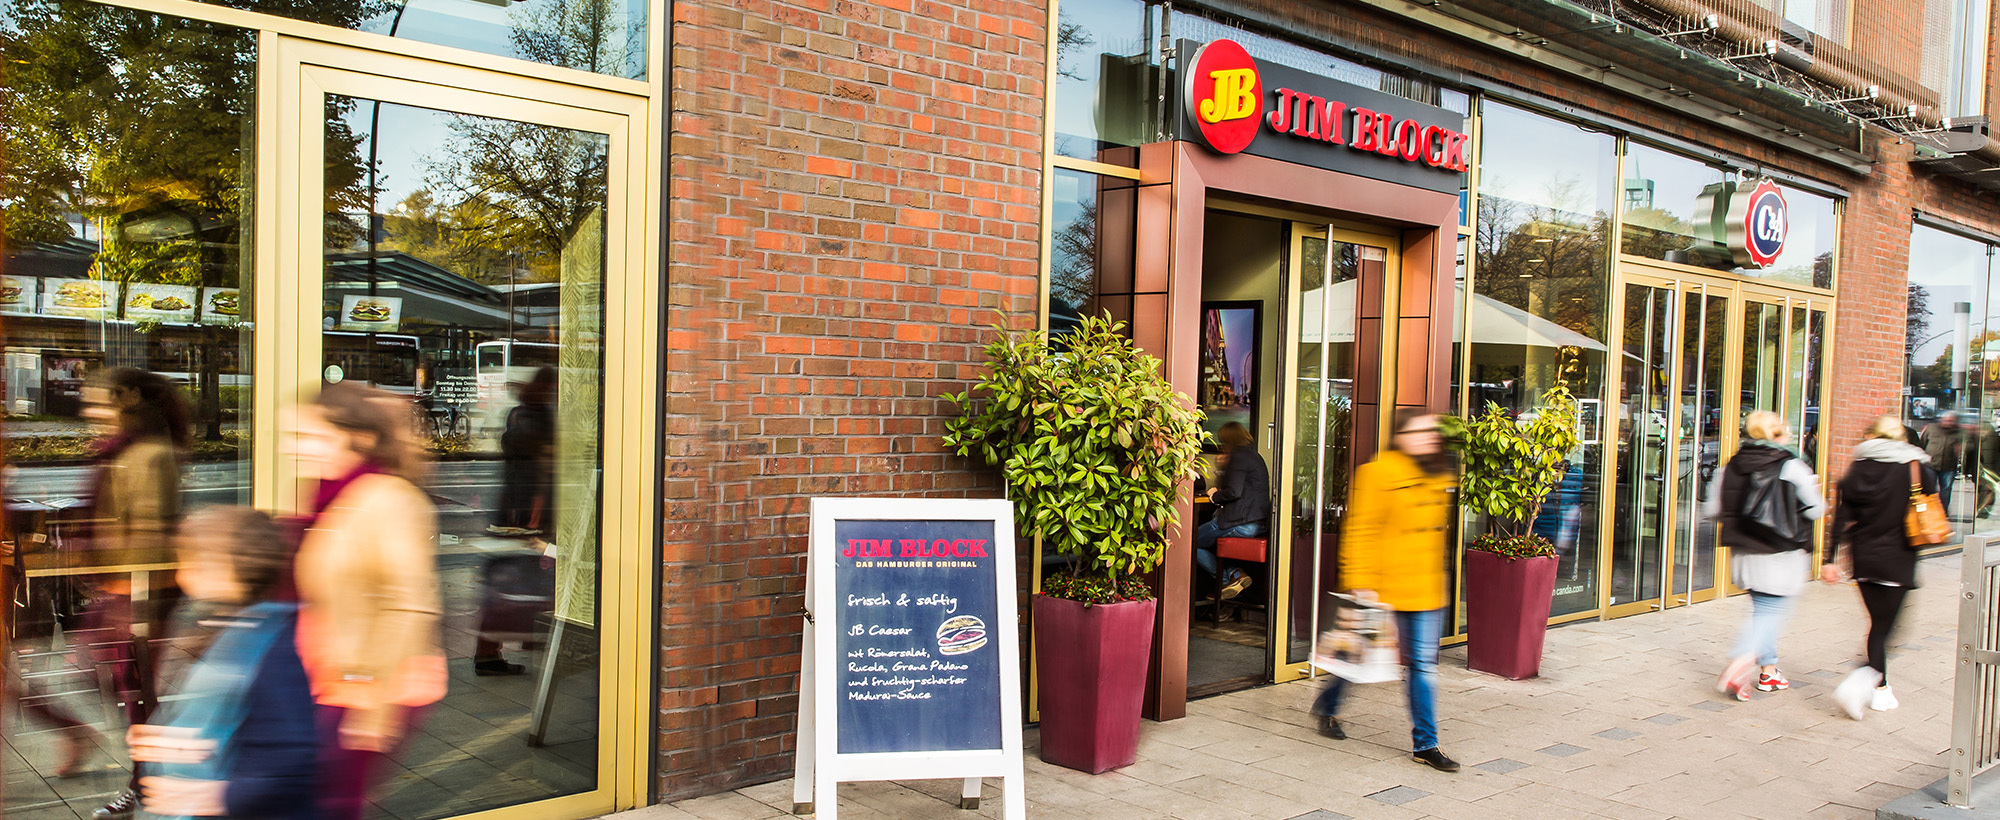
column 855, row 198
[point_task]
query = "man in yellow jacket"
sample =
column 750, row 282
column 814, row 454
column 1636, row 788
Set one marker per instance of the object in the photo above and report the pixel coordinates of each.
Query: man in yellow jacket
column 1393, row 551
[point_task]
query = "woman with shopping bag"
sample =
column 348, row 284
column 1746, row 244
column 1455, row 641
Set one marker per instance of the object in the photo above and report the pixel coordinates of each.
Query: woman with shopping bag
column 1392, row 553
column 1871, row 539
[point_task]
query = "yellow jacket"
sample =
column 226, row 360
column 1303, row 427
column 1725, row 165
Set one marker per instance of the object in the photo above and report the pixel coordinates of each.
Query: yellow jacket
column 1394, row 539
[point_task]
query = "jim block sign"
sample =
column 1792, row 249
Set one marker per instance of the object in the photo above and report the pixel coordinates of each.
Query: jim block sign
column 919, row 669
column 911, row 667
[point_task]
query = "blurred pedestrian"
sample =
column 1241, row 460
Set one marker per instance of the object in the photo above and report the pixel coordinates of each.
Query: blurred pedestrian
column 147, row 433
column 1393, row 551
column 1772, row 567
column 1945, row 442
column 238, row 738
column 1869, row 536
column 527, row 457
column 1985, row 468
column 366, row 572
column 1243, row 497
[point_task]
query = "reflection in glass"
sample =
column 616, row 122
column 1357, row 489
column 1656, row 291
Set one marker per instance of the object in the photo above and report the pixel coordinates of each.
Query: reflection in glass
column 1666, row 198
column 464, row 271
column 1645, row 430
column 1946, row 271
column 1700, row 453
column 1541, row 295
column 127, row 371
column 1675, row 209
column 1763, row 349
column 1322, row 451
column 599, row 36
column 1107, row 80
column 1092, row 239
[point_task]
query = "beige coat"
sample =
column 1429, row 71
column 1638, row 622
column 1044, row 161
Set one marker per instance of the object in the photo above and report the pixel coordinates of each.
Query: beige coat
column 138, row 503
column 368, row 590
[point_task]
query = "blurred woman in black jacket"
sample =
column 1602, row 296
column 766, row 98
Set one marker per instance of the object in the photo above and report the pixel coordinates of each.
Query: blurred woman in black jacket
column 1868, row 530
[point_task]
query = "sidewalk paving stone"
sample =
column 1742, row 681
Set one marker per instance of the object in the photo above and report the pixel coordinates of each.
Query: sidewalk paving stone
column 1624, row 723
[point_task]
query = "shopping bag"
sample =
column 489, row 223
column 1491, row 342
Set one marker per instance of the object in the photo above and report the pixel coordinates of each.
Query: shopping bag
column 1360, row 646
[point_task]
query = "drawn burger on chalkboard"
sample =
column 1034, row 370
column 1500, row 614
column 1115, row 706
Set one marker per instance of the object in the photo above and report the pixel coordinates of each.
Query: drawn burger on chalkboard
column 961, row 634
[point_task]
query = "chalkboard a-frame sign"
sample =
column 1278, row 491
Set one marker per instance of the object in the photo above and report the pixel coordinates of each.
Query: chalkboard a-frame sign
column 911, row 667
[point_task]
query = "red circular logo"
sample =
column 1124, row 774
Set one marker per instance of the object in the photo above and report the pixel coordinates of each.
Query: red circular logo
column 1224, row 95
column 1764, row 235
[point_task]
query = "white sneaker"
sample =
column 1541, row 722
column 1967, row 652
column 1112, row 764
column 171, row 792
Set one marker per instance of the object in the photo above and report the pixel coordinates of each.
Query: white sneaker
column 1853, row 693
column 1884, row 700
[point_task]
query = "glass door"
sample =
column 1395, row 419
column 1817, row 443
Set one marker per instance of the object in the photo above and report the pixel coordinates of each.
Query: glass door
column 1699, row 356
column 458, row 249
column 1326, row 278
column 1648, row 419
column 1698, row 452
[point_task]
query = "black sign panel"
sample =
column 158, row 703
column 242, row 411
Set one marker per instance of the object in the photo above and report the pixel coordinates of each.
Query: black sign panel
column 917, row 659
column 1320, row 122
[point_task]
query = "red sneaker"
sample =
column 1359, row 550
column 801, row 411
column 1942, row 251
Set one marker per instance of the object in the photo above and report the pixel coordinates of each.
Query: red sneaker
column 1735, row 680
column 1772, row 681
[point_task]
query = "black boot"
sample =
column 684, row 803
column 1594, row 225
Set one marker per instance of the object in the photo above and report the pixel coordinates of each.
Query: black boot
column 1330, row 727
column 496, row 666
column 1435, row 759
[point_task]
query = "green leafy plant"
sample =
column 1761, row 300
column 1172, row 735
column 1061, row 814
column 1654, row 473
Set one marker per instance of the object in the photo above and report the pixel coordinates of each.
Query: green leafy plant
column 1093, row 443
column 1511, row 465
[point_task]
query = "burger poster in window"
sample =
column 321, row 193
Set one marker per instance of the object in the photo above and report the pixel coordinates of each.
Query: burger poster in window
column 911, row 666
column 371, row 313
column 221, row 306
column 80, row 298
column 168, row 304
column 17, row 294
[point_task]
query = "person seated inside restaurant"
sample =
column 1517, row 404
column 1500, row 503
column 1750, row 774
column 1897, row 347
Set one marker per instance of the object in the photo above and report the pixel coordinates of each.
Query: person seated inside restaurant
column 1242, row 494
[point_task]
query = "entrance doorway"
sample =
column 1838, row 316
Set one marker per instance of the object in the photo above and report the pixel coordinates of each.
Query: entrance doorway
column 1699, row 354
column 1282, row 306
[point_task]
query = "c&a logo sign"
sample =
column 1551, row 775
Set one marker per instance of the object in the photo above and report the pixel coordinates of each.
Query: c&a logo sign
column 1757, row 225
column 1225, row 95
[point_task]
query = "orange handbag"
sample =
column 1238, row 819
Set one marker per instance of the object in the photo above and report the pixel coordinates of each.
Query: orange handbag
column 1925, row 522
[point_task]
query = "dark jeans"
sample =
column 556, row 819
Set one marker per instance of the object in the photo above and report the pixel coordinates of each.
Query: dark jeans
column 1945, row 479
column 1207, row 534
column 1884, row 603
column 1417, row 632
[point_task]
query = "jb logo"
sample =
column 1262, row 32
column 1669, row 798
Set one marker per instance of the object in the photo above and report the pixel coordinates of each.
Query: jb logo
column 1234, row 97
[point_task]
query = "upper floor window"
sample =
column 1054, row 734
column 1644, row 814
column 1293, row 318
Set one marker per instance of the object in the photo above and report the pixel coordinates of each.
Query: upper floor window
column 1965, row 76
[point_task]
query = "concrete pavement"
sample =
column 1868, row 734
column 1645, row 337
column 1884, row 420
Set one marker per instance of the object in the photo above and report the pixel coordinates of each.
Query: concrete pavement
column 1624, row 723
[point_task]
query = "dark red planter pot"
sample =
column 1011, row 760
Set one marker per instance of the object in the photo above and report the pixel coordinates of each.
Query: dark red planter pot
column 1091, row 664
column 1507, row 613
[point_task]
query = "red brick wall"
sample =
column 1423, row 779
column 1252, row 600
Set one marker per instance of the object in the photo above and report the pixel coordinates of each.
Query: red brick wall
column 855, row 191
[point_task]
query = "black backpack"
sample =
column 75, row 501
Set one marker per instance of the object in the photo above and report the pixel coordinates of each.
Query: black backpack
column 1769, row 508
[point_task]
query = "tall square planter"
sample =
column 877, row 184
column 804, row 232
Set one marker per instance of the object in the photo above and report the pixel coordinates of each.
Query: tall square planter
column 1091, row 664
column 1507, row 612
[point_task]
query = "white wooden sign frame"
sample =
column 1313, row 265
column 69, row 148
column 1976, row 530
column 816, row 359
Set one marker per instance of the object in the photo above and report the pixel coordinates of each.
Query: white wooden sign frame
column 820, row 767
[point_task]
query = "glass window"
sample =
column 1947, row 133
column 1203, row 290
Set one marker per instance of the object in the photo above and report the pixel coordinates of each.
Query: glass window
column 1668, row 216
column 1540, row 292
column 1947, row 297
column 1965, row 73
column 126, row 373
column 464, row 263
column 1107, row 79
column 600, row 36
column 1663, row 207
column 1810, row 240
column 1090, row 266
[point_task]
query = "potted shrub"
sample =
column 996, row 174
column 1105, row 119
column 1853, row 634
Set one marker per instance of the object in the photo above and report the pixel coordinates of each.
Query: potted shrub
column 1510, row 466
column 1094, row 444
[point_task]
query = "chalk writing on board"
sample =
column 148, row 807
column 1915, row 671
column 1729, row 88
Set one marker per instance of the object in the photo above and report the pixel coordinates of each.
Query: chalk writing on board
column 918, row 670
